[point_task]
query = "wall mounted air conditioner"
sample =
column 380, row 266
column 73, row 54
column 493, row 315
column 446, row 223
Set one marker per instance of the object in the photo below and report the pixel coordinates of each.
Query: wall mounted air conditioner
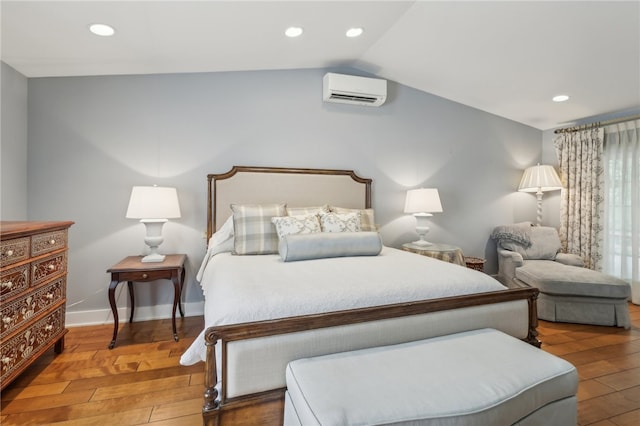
column 351, row 89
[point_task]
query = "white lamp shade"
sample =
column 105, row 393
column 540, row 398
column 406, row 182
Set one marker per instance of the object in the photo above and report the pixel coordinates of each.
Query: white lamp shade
column 540, row 177
column 423, row 200
column 153, row 202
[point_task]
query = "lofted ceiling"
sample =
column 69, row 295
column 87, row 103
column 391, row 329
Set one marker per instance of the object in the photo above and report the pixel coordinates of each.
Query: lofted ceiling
column 508, row 58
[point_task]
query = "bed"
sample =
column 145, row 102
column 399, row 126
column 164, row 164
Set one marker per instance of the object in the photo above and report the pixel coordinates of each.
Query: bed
column 264, row 310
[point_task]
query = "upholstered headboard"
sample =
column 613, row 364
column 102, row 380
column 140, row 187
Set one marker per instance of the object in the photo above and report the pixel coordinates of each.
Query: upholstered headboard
column 296, row 187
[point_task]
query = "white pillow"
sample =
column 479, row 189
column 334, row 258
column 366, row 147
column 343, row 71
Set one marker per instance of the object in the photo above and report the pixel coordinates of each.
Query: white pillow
column 340, row 222
column 221, row 241
column 298, row 224
column 223, row 234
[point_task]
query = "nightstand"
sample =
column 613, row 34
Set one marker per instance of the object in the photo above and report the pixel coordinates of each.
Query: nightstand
column 446, row 252
column 131, row 269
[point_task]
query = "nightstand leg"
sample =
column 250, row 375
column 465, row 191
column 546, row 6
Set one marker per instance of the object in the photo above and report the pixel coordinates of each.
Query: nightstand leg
column 176, row 298
column 180, row 298
column 114, row 310
column 133, row 302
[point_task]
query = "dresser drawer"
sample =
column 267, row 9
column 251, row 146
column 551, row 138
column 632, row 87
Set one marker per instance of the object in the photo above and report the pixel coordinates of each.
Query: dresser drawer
column 48, row 242
column 14, row 281
column 12, row 251
column 16, row 313
column 45, row 268
column 19, row 349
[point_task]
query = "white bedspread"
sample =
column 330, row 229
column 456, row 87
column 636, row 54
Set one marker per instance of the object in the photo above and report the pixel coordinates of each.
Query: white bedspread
column 253, row 288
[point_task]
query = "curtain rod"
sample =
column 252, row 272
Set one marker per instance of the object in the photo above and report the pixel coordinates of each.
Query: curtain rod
column 597, row 124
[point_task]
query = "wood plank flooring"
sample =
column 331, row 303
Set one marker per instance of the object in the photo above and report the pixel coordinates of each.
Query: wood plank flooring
column 140, row 381
column 608, row 363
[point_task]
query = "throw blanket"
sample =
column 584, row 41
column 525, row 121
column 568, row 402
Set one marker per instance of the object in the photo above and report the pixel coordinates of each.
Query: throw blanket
column 517, row 233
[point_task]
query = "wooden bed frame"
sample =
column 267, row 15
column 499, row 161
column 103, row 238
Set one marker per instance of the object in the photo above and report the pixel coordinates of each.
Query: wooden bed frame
column 262, row 183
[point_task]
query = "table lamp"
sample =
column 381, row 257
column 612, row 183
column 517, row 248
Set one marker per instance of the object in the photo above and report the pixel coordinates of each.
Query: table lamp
column 422, row 203
column 153, row 205
column 540, row 179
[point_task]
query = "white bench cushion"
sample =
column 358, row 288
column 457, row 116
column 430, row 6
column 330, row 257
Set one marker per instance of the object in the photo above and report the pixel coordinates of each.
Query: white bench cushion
column 482, row 377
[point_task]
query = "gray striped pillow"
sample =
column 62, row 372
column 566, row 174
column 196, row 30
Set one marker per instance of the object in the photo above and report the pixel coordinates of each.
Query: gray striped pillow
column 253, row 231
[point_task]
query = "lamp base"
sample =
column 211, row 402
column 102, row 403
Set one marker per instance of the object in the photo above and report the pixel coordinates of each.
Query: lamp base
column 153, row 239
column 422, row 228
column 539, row 207
column 153, row 257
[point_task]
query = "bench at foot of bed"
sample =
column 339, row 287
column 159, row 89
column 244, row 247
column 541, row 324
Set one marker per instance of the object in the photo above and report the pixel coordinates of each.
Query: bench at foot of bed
column 477, row 377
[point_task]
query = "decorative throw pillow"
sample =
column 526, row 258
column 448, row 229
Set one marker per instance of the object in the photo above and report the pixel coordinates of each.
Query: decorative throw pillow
column 340, row 222
column 325, row 245
column 296, row 211
column 367, row 220
column 298, row 224
column 253, row 231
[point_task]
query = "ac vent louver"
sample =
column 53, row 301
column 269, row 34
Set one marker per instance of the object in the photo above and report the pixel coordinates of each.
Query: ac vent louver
column 354, row 98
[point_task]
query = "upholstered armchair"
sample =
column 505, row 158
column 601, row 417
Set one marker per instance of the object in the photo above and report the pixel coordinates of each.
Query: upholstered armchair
column 530, row 256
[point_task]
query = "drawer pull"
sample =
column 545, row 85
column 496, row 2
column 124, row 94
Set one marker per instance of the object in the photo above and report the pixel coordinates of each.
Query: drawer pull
column 9, row 253
column 48, row 327
column 52, row 267
column 6, row 360
column 7, row 284
column 49, row 296
column 52, row 241
column 6, row 320
column 145, row 276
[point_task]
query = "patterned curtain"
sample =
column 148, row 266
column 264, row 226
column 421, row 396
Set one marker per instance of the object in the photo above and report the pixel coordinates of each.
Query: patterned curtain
column 581, row 206
column 622, row 211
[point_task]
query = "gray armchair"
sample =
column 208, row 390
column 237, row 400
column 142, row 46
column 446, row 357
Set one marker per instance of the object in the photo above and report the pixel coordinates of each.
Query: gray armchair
column 529, row 256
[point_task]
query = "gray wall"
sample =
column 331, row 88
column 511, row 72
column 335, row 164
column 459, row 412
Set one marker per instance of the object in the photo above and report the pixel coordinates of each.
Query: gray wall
column 13, row 143
column 92, row 138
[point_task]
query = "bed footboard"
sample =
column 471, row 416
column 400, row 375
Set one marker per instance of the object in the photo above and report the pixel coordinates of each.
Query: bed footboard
column 243, row 345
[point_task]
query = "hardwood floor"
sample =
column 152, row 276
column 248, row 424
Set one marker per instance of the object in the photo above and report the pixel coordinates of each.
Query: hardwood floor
column 608, row 363
column 140, row 381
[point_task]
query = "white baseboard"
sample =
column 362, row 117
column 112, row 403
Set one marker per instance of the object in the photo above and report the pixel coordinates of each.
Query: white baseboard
column 142, row 313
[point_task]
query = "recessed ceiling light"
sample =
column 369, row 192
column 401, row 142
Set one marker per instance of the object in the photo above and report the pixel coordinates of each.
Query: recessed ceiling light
column 293, row 31
column 354, row 32
column 560, row 98
column 102, row 30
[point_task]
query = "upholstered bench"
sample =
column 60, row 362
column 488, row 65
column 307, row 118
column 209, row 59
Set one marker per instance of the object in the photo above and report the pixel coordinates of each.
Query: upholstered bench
column 482, row 377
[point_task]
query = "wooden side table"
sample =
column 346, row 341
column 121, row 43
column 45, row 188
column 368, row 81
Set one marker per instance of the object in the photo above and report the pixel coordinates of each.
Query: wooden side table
column 131, row 269
column 446, row 252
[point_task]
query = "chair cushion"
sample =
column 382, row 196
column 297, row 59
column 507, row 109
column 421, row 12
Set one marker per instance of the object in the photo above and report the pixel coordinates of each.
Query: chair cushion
column 482, row 377
column 544, row 244
column 555, row 278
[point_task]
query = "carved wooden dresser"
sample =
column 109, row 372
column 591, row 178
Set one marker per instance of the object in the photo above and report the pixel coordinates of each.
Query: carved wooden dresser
column 33, row 279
